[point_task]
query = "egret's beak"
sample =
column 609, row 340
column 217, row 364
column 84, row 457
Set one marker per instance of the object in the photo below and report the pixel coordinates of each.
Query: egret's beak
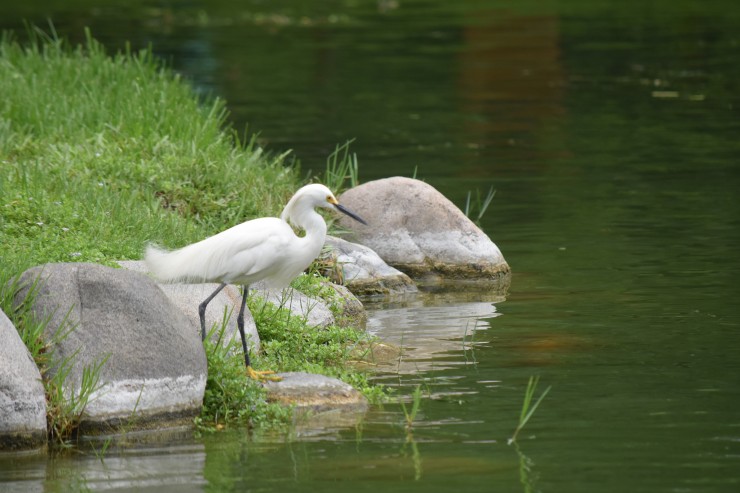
column 351, row 214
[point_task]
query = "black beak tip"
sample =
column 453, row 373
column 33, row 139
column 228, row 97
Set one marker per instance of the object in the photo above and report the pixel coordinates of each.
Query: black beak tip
column 351, row 214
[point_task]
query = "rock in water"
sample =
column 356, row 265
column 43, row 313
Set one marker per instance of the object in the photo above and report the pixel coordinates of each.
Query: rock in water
column 362, row 270
column 416, row 229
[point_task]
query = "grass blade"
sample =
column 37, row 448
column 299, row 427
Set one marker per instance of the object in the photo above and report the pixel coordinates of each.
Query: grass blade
column 527, row 408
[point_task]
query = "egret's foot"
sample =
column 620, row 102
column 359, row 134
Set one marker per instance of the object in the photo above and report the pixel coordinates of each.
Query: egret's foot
column 262, row 376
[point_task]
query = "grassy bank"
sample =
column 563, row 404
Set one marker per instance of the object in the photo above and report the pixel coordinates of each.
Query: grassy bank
column 100, row 154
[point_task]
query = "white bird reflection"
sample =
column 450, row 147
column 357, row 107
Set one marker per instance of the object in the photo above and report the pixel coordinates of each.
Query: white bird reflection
column 434, row 336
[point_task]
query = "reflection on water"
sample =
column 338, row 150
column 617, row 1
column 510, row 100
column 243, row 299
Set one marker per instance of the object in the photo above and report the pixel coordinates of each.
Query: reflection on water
column 436, row 332
column 173, row 468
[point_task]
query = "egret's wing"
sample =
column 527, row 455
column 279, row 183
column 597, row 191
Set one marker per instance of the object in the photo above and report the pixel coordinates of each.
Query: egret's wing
column 250, row 251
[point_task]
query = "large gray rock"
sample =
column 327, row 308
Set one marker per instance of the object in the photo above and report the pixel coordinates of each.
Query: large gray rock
column 362, row 270
column 416, row 229
column 187, row 297
column 155, row 372
column 22, row 398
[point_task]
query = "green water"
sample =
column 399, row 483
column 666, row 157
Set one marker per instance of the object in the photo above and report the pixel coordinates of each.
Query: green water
column 611, row 135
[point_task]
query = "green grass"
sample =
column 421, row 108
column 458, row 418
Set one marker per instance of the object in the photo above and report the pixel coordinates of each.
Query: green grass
column 342, row 168
column 478, row 208
column 528, row 408
column 98, row 151
column 410, row 442
column 231, row 398
column 290, row 344
column 410, row 414
column 102, row 153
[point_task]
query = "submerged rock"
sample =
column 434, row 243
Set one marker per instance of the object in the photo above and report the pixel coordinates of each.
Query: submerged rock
column 22, row 398
column 362, row 270
column 154, row 370
column 377, row 355
column 323, row 400
column 315, row 392
column 416, row 229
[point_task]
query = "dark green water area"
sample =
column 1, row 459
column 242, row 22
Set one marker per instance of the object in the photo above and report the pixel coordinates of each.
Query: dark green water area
column 611, row 134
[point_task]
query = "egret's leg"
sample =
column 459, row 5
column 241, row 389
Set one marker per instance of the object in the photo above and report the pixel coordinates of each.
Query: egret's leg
column 240, row 324
column 202, row 310
column 257, row 375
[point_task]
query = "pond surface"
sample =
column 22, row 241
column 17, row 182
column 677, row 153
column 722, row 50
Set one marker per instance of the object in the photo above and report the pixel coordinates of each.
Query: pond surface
column 611, row 135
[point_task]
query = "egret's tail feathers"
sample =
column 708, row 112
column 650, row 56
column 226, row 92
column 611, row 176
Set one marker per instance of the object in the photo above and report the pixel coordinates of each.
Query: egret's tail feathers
column 172, row 266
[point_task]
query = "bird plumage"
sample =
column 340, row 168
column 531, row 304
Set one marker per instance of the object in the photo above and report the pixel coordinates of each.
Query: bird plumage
column 261, row 249
column 265, row 249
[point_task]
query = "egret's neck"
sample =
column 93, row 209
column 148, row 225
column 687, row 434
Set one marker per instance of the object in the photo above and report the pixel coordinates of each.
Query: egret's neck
column 312, row 223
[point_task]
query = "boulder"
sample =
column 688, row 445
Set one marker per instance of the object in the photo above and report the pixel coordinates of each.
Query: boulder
column 22, row 398
column 187, row 297
column 154, row 373
column 362, row 270
column 417, row 230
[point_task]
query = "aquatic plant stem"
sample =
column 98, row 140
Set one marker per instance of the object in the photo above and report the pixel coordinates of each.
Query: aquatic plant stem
column 528, row 411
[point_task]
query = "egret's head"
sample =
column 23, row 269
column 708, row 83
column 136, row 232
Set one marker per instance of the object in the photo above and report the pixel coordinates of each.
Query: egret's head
column 317, row 195
column 334, row 202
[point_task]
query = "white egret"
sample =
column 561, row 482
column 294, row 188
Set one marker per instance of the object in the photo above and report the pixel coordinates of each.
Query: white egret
column 264, row 249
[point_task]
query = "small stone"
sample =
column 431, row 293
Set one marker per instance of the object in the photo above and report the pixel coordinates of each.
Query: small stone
column 362, row 270
column 352, row 312
column 317, row 393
